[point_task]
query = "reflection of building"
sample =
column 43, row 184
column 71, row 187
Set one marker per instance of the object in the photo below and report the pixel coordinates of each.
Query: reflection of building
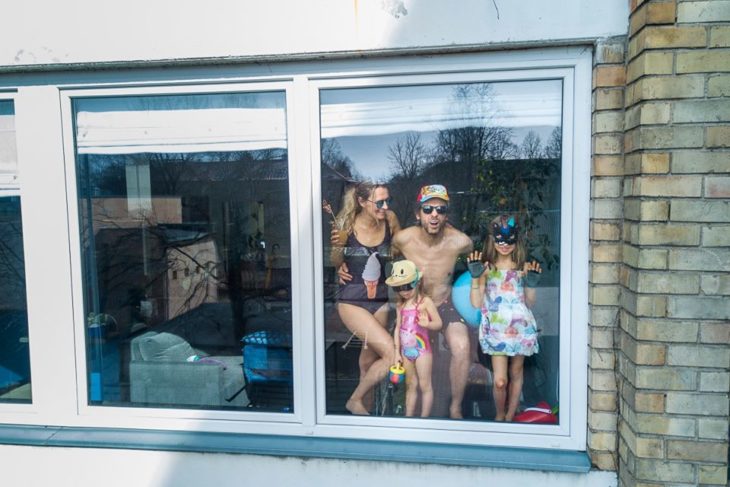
column 162, row 255
column 192, row 275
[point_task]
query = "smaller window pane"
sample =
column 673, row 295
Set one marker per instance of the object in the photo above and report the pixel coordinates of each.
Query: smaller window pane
column 14, row 353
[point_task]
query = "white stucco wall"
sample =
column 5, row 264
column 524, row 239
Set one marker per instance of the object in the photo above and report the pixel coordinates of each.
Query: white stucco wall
column 39, row 32
column 80, row 467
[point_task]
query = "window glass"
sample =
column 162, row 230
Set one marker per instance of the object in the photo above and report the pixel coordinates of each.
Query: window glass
column 496, row 149
column 185, row 246
column 14, row 353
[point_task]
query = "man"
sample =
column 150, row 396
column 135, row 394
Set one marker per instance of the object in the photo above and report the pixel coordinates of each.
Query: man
column 434, row 245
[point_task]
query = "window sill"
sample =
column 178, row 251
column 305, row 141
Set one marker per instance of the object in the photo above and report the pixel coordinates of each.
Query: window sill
column 292, row 446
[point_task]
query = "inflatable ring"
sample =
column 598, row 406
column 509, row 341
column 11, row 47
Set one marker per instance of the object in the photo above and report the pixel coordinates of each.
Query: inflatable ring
column 460, row 297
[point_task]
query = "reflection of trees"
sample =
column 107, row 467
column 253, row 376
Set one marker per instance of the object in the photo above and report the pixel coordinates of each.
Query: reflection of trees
column 485, row 171
column 337, row 172
column 200, row 225
column 12, row 267
column 554, row 146
column 336, row 160
column 531, row 146
column 408, row 157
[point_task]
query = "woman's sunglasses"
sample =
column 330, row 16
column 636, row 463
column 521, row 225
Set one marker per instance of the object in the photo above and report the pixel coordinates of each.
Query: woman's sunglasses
column 404, row 287
column 379, row 204
column 428, row 209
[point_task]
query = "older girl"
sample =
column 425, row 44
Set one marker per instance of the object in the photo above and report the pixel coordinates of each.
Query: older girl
column 505, row 293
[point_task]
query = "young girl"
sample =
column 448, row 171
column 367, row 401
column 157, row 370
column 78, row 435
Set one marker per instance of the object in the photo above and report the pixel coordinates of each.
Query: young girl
column 415, row 316
column 505, row 294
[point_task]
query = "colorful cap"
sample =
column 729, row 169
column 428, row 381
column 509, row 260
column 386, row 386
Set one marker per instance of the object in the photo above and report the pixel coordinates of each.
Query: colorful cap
column 403, row 272
column 432, row 191
column 505, row 231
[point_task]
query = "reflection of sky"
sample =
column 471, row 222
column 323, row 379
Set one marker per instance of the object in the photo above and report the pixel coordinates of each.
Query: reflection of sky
column 366, row 121
column 369, row 154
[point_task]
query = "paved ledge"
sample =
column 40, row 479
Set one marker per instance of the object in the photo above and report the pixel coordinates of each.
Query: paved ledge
column 294, row 446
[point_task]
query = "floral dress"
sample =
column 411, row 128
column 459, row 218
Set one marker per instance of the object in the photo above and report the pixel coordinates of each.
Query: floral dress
column 508, row 326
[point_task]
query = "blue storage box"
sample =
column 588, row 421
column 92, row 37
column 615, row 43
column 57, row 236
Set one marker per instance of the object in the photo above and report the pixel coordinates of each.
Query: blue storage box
column 267, row 357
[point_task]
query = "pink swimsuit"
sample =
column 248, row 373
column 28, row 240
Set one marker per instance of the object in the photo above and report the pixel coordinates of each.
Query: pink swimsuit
column 413, row 337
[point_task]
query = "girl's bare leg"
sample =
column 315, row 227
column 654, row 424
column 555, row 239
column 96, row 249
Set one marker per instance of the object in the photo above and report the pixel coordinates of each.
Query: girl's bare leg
column 424, row 366
column 499, row 390
column 516, row 378
column 363, row 324
column 412, row 380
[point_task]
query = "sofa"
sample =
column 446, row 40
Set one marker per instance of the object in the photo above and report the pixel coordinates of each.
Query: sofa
column 193, row 360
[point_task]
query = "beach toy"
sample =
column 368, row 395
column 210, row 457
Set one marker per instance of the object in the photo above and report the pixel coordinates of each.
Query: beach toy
column 460, row 297
column 397, row 374
column 540, row 413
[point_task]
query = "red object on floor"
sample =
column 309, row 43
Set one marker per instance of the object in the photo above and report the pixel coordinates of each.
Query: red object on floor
column 541, row 413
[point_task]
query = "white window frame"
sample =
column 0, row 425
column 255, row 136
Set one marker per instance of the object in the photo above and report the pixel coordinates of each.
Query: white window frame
column 46, row 154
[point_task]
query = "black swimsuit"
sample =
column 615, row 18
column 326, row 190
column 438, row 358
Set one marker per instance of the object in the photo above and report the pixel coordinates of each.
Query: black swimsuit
column 356, row 257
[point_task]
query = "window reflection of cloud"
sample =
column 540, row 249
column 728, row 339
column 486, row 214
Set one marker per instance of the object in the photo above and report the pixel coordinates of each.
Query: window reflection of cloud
column 508, row 105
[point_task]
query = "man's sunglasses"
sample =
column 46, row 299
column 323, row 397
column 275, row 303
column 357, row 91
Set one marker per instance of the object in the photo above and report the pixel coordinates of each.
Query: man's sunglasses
column 404, row 287
column 379, row 204
column 428, row 209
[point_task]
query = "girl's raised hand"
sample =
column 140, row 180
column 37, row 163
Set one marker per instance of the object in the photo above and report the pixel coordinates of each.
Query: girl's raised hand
column 533, row 266
column 475, row 265
column 532, row 272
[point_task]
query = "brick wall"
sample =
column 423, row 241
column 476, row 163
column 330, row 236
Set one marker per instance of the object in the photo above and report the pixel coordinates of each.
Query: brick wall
column 609, row 77
column 673, row 354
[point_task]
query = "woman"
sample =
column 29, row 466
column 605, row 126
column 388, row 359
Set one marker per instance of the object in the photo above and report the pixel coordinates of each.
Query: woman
column 362, row 302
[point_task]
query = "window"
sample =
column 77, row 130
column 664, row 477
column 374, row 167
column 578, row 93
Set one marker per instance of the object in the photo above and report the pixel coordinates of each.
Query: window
column 15, row 384
column 205, row 294
column 496, row 147
column 185, row 246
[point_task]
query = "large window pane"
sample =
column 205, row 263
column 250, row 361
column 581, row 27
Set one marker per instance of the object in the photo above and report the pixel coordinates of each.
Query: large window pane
column 184, row 221
column 496, row 147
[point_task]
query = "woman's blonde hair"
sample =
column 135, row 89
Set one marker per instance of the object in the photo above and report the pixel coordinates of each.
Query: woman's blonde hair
column 351, row 202
column 489, row 253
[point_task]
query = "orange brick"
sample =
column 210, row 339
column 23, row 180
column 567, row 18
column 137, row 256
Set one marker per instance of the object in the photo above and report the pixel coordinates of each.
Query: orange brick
column 652, row 13
column 608, row 165
column 658, row 37
column 661, row 13
column 605, row 76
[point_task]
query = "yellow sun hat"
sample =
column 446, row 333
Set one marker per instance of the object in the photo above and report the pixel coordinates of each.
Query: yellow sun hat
column 403, row 272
